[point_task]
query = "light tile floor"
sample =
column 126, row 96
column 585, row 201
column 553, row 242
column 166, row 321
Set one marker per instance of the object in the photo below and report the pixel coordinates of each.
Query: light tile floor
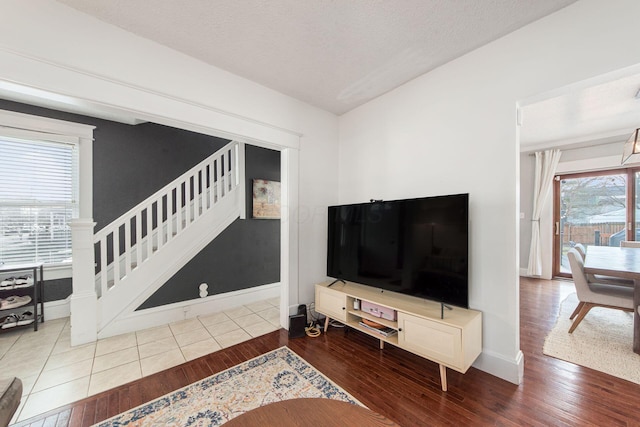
column 54, row 374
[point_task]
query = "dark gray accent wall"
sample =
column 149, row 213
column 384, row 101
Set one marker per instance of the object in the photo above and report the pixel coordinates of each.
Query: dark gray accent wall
column 245, row 255
column 132, row 162
column 56, row 289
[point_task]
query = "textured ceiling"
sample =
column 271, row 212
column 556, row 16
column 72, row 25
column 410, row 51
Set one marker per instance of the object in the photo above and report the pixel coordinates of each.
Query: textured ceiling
column 334, row 54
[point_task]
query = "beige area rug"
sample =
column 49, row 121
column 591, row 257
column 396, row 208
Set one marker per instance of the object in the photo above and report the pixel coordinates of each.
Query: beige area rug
column 603, row 341
column 278, row 375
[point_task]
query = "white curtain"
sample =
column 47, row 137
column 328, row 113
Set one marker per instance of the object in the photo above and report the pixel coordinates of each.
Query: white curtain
column 546, row 164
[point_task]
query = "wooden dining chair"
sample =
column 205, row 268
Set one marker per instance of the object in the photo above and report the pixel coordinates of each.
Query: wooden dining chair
column 594, row 294
column 599, row 278
column 629, row 244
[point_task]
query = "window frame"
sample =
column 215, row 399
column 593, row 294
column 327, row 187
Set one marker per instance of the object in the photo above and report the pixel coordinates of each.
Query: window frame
column 630, row 194
column 27, row 126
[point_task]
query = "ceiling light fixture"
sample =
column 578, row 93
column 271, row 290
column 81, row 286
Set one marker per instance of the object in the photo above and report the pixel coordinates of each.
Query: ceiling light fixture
column 631, row 147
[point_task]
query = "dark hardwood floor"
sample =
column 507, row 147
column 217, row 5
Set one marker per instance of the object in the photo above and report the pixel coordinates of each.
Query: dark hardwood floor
column 406, row 388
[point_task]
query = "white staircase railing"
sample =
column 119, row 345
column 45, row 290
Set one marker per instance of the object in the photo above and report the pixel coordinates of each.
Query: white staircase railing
column 141, row 249
column 145, row 229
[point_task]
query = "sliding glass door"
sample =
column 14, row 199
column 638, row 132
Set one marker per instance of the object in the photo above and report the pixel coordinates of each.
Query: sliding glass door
column 596, row 208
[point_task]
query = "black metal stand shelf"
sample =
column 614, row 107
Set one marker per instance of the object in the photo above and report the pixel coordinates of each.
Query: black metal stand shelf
column 34, row 290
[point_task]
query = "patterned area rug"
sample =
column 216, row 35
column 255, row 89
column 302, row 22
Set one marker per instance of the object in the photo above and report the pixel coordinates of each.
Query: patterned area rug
column 603, row 341
column 272, row 377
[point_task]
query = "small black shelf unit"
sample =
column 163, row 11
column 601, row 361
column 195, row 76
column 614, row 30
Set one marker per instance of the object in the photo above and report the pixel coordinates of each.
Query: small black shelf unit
column 35, row 291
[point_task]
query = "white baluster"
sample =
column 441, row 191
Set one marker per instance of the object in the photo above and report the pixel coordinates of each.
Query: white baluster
column 170, row 216
column 180, row 211
column 197, row 201
column 192, row 198
column 139, row 238
column 116, row 256
column 165, row 226
column 218, row 179
column 104, row 272
column 209, row 186
column 230, row 172
column 158, row 217
column 223, row 174
column 127, row 247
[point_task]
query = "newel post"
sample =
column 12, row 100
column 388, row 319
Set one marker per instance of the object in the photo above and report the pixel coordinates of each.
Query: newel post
column 240, row 179
column 84, row 300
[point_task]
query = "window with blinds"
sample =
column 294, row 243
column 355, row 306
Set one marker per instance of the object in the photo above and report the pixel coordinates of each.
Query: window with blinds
column 38, row 199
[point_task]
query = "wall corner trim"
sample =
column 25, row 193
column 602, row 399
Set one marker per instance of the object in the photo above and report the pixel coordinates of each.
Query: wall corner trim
column 509, row 369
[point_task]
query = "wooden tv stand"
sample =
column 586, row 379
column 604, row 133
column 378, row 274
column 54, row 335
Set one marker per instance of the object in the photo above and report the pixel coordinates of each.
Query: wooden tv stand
column 453, row 342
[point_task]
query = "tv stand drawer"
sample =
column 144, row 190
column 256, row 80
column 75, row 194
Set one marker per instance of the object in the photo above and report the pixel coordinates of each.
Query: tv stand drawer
column 432, row 340
column 331, row 303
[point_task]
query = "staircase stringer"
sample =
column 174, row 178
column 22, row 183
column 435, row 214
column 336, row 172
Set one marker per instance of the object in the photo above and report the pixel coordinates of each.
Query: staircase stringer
column 148, row 244
column 142, row 282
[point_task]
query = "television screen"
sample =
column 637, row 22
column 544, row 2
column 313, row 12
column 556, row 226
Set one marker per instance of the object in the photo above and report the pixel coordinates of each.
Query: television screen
column 416, row 246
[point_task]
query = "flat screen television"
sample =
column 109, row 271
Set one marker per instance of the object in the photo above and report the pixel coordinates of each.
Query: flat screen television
column 418, row 246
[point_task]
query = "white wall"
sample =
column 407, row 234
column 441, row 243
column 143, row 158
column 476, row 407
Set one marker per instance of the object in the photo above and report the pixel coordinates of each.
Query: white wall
column 48, row 46
column 454, row 130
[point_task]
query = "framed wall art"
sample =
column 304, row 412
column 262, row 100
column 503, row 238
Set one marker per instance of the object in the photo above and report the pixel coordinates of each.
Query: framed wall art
column 266, row 199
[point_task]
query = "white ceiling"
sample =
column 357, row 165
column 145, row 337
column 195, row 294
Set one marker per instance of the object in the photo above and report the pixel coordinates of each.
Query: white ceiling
column 602, row 110
column 339, row 54
column 334, row 54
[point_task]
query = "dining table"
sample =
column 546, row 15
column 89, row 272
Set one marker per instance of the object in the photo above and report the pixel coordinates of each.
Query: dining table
column 618, row 262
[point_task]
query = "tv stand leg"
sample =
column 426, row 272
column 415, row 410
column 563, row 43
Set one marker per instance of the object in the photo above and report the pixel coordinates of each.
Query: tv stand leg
column 326, row 324
column 443, row 377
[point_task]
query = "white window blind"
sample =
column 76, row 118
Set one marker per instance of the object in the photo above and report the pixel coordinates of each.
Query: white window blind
column 38, row 199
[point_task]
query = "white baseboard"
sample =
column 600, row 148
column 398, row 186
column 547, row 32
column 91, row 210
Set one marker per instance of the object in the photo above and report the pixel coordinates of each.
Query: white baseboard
column 56, row 309
column 523, row 272
column 157, row 316
column 511, row 370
